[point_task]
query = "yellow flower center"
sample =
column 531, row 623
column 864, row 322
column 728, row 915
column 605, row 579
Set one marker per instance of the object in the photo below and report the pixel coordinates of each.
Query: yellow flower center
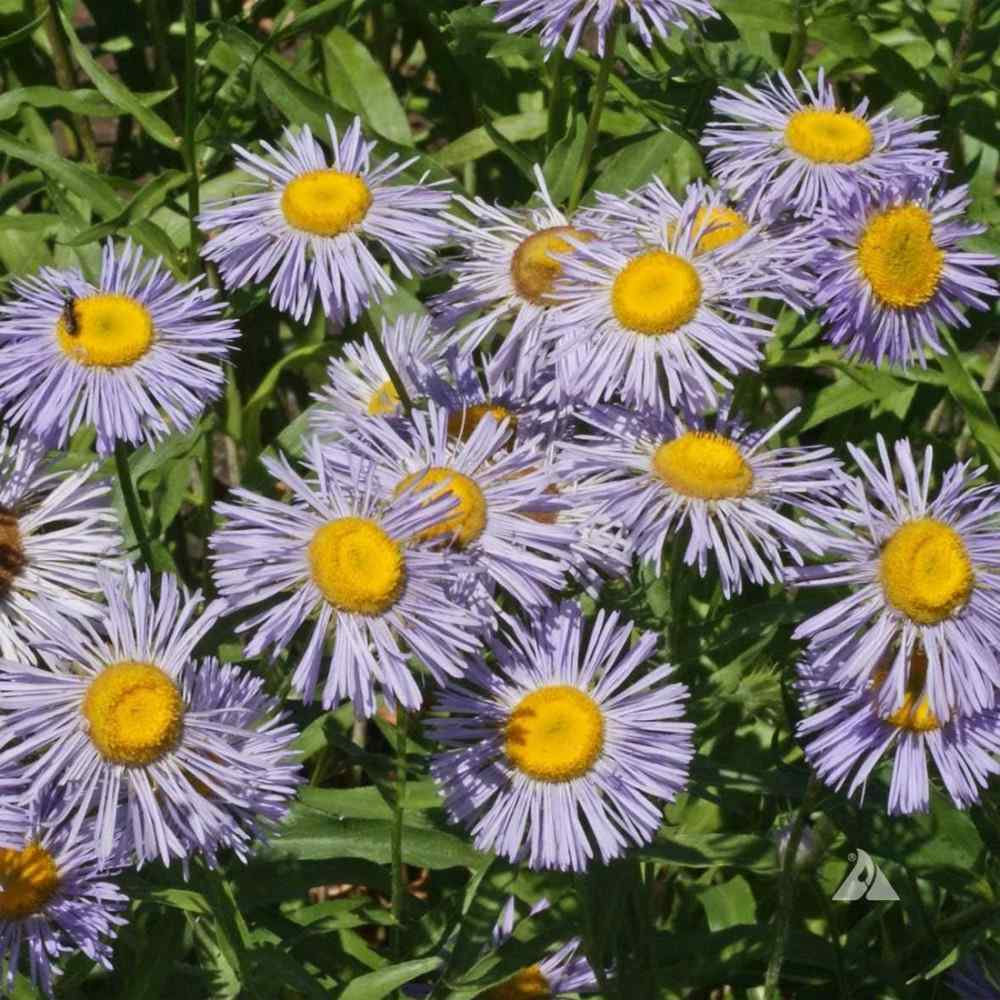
column 723, row 224
column 135, row 713
column 915, row 712
column 656, row 293
column 898, row 256
column 12, row 557
column 384, row 400
column 555, row 734
column 325, row 202
column 462, row 423
column 535, row 266
column 528, row 984
column 825, row 136
column 28, row 880
column 468, row 522
column 105, row 331
column 926, row 571
column 704, row 465
column 357, row 566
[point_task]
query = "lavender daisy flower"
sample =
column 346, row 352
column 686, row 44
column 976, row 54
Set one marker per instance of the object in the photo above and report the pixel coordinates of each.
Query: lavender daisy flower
column 805, row 153
column 56, row 529
column 310, row 223
column 924, row 571
column 893, row 270
column 661, row 474
column 781, row 250
column 55, row 897
column 358, row 383
column 179, row 755
column 564, row 971
column 848, row 733
column 469, row 390
column 624, row 315
column 339, row 562
column 495, row 484
column 561, row 751
column 510, row 262
column 555, row 17
column 137, row 355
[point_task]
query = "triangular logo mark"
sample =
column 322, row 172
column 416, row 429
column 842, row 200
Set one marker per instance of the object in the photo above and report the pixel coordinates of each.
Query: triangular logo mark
column 865, row 880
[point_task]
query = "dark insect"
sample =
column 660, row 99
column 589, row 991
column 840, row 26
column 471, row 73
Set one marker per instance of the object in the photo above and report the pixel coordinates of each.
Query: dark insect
column 69, row 318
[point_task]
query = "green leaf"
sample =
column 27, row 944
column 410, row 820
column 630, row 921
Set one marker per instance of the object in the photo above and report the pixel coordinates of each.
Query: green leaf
column 379, row 984
column 82, row 102
column 305, row 19
column 356, row 82
column 729, row 904
column 479, row 142
column 314, row 836
column 637, row 163
column 709, row 850
column 149, row 197
column 117, row 93
column 25, row 31
column 561, row 164
column 969, row 396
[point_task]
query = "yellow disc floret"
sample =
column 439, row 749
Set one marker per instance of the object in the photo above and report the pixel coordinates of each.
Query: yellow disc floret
column 468, row 522
column 555, row 734
column 461, row 423
column 704, row 465
column 915, row 712
column 29, row 878
column 528, row 984
column 535, row 265
column 826, row 136
column 357, row 566
column 720, row 225
column 135, row 713
column 655, row 293
column 926, row 571
column 384, row 400
column 105, row 331
column 325, row 202
column 898, row 256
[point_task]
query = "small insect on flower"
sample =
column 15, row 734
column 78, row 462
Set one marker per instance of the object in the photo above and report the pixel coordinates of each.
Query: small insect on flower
column 847, row 733
column 310, row 224
column 657, row 475
column 339, row 561
column 556, row 17
column 924, row 572
column 510, row 261
column 893, row 271
column 807, row 154
column 172, row 756
column 57, row 528
column 136, row 355
column 628, row 315
column 55, row 896
column 564, row 748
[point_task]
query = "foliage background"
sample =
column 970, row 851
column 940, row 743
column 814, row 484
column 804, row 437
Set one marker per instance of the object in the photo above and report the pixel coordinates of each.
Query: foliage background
column 96, row 138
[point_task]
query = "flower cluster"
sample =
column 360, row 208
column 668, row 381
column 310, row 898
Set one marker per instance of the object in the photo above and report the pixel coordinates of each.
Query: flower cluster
column 563, row 410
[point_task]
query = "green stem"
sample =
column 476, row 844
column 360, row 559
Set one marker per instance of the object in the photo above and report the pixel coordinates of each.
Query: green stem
column 786, row 894
column 207, row 497
column 594, row 123
column 396, row 846
column 557, row 104
column 161, row 57
column 797, row 42
column 132, row 503
column 190, row 115
column 394, row 376
column 66, row 77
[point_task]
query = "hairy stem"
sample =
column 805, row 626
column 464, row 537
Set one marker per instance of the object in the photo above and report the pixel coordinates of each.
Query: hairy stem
column 396, row 846
column 190, row 112
column 597, row 109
